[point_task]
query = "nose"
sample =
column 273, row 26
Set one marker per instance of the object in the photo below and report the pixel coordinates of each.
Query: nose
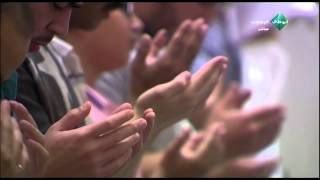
column 60, row 23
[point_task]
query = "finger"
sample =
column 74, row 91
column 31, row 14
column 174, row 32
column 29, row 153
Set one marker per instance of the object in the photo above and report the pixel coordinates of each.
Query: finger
column 137, row 147
column 244, row 96
column 122, row 107
column 175, row 146
column 177, row 41
column 119, row 149
column 22, row 112
column 122, row 133
column 208, row 74
column 195, row 141
column 229, row 95
column 74, row 117
column 31, row 132
column 261, row 113
column 262, row 133
column 150, row 118
column 7, row 133
column 17, row 144
column 111, row 168
column 211, row 148
column 25, row 158
column 39, row 157
column 211, row 81
column 177, row 85
column 112, row 122
column 139, row 62
column 158, row 42
column 193, row 42
column 235, row 97
column 166, row 90
column 268, row 133
column 147, row 111
column 5, row 109
column 217, row 92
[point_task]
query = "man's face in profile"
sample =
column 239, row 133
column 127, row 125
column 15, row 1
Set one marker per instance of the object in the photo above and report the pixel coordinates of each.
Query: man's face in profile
column 49, row 19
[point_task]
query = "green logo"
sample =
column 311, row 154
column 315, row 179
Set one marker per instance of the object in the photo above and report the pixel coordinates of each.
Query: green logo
column 279, row 21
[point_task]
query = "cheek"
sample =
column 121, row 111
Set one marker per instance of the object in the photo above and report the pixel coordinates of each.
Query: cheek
column 41, row 15
column 119, row 43
column 117, row 50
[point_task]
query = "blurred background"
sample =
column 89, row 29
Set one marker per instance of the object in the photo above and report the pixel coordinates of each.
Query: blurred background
column 283, row 66
column 278, row 66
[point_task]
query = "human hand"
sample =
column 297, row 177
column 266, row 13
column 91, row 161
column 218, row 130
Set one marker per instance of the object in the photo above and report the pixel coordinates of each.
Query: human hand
column 148, row 115
column 178, row 98
column 34, row 141
column 152, row 66
column 99, row 149
column 192, row 156
column 13, row 152
column 247, row 131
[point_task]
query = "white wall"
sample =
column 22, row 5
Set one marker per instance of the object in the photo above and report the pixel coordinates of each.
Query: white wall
column 299, row 144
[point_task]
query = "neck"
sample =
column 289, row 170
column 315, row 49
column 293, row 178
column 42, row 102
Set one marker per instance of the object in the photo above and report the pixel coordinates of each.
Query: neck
column 91, row 72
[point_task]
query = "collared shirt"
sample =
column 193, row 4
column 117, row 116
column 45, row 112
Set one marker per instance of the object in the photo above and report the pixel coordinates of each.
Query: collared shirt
column 9, row 87
column 70, row 61
column 43, row 85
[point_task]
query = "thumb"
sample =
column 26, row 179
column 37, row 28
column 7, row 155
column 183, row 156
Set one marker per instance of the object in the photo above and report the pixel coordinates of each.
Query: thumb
column 165, row 90
column 177, row 85
column 73, row 118
column 142, row 51
column 176, row 145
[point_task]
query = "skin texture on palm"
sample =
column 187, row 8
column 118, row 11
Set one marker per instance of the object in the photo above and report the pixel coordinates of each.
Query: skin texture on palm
column 187, row 155
column 178, row 98
column 34, row 141
column 248, row 131
column 13, row 151
column 26, row 148
column 171, row 162
column 153, row 65
column 99, row 149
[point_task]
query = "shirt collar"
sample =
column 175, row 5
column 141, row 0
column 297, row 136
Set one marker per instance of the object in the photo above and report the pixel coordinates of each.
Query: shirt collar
column 62, row 47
